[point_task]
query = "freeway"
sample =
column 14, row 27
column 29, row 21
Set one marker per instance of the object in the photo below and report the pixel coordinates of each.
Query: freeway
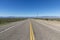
column 28, row 30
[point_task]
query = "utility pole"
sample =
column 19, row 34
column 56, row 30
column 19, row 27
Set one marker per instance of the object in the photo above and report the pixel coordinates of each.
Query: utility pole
column 37, row 12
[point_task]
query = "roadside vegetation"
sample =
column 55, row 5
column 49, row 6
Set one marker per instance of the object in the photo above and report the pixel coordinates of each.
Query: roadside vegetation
column 56, row 19
column 8, row 20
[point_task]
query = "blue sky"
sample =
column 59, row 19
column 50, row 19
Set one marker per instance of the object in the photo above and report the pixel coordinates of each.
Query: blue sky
column 29, row 8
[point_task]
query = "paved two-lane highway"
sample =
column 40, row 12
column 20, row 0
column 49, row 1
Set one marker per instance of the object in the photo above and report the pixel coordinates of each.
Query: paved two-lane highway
column 19, row 31
column 28, row 30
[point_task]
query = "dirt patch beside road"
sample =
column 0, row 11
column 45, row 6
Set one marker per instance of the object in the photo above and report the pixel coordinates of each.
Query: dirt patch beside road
column 53, row 24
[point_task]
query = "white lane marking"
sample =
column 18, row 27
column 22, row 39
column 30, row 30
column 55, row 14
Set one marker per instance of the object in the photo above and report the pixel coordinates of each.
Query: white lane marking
column 7, row 29
column 49, row 26
column 10, row 27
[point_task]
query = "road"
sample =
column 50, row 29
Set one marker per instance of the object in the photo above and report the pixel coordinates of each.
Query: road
column 28, row 30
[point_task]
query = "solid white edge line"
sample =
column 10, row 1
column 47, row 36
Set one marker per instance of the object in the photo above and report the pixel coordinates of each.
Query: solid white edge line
column 7, row 29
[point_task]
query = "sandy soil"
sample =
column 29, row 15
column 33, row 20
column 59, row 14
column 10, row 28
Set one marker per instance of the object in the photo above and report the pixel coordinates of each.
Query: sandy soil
column 54, row 24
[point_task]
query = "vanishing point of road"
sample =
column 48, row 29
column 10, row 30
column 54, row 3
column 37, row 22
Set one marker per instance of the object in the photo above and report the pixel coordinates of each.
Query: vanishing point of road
column 28, row 30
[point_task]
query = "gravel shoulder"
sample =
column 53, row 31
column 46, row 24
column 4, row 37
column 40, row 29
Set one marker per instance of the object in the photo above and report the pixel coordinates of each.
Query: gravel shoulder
column 52, row 24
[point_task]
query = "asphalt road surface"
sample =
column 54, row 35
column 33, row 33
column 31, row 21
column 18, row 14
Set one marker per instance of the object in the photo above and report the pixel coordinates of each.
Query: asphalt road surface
column 28, row 30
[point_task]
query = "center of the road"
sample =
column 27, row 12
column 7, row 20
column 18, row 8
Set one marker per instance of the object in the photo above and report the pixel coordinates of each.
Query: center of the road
column 31, row 32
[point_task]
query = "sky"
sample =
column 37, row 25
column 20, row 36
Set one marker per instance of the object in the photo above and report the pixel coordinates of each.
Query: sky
column 29, row 8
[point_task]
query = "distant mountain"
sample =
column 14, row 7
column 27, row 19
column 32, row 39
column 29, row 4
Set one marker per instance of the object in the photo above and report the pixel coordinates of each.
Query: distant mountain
column 48, row 17
column 33, row 17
